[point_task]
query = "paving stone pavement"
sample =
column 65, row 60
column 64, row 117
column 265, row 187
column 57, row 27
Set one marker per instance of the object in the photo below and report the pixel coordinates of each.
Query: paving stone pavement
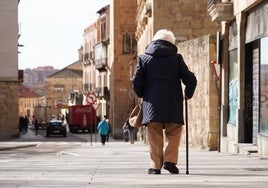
column 120, row 164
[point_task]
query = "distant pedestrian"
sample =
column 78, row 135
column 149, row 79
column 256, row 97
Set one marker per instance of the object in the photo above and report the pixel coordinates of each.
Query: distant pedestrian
column 26, row 123
column 132, row 134
column 125, row 130
column 128, row 132
column 21, row 124
column 103, row 130
column 108, row 122
column 36, row 126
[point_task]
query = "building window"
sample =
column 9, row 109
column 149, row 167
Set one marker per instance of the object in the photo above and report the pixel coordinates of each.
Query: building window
column 103, row 29
column 233, row 86
column 129, row 44
column 59, row 88
column 264, row 86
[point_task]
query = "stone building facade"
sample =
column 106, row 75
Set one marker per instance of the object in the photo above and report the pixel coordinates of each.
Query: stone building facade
column 90, row 38
column 96, row 64
column 187, row 20
column 191, row 25
column 122, row 50
column 64, row 88
column 9, row 77
column 28, row 99
column 244, row 93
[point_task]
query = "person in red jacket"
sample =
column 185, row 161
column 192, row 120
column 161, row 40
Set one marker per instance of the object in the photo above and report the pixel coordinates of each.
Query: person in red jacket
column 158, row 80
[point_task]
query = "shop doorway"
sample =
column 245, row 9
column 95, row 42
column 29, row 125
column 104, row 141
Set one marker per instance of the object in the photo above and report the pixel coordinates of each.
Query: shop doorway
column 251, row 113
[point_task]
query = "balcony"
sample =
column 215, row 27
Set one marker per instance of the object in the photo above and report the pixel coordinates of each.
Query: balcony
column 100, row 56
column 220, row 11
column 88, row 57
column 101, row 64
column 103, row 92
column 91, row 54
column 86, row 87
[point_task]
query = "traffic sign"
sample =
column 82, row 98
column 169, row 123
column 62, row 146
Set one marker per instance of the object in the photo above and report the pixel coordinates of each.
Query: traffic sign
column 91, row 98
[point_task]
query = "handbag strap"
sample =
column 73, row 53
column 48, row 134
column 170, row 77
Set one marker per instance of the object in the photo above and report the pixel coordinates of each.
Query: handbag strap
column 140, row 101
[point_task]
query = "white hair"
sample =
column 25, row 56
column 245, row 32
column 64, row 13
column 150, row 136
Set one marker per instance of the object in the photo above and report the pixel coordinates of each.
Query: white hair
column 166, row 35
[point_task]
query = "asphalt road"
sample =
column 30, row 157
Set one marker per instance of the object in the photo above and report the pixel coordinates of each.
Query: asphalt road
column 71, row 137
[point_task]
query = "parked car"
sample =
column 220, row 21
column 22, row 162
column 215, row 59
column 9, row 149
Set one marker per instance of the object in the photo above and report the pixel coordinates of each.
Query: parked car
column 56, row 127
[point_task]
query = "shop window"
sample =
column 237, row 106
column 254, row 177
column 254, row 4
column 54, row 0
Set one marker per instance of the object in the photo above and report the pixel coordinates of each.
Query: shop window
column 264, row 86
column 233, row 86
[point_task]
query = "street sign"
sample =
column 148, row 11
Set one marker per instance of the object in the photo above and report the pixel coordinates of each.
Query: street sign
column 91, row 98
column 96, row 106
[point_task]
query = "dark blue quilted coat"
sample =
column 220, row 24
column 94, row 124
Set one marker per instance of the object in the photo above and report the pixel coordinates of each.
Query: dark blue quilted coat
column 157, row 79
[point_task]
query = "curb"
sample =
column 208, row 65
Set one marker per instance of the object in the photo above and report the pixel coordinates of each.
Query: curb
column 17, row 147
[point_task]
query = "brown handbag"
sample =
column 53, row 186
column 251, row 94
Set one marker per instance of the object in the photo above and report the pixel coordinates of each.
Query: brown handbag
column 135, row 117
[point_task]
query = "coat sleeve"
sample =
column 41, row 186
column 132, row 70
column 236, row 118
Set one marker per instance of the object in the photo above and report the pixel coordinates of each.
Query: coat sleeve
column 188, row 78
column 138, row 79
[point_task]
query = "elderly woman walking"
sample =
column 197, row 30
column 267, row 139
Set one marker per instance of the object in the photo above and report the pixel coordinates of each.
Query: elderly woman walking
column 158, row 79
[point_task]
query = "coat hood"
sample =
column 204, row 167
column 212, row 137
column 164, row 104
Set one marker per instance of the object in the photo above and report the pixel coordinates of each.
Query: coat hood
column 161, row 48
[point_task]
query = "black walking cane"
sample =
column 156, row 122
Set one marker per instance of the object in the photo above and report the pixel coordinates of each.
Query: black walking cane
column 186, row 127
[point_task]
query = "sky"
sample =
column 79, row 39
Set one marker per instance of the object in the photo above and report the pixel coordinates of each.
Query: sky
column 52, row 30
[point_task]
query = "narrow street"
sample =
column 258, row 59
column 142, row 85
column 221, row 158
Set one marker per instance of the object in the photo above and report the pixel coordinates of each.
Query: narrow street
column 71, row 137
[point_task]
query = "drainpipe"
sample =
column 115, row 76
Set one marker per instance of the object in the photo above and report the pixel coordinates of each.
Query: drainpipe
column 219, row 60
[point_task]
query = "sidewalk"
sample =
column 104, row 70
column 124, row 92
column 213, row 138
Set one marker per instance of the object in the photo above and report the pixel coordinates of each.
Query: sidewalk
column 121, row 165
column 23, row 141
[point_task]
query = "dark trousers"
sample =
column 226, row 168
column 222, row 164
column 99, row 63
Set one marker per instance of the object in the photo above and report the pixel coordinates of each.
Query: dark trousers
column 36, row 129
column 103, row 138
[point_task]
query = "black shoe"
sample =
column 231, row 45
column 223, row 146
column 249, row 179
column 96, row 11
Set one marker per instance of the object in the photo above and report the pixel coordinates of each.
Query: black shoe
column 154, row 171
column 171, row 167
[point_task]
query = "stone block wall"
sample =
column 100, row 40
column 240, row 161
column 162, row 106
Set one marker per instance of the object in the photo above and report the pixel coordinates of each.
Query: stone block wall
column 9, row 121
column 187, row 19
column 203, row 107
column 9, row 85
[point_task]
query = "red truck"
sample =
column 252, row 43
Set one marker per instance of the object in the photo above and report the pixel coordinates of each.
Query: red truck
column 82, row 118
